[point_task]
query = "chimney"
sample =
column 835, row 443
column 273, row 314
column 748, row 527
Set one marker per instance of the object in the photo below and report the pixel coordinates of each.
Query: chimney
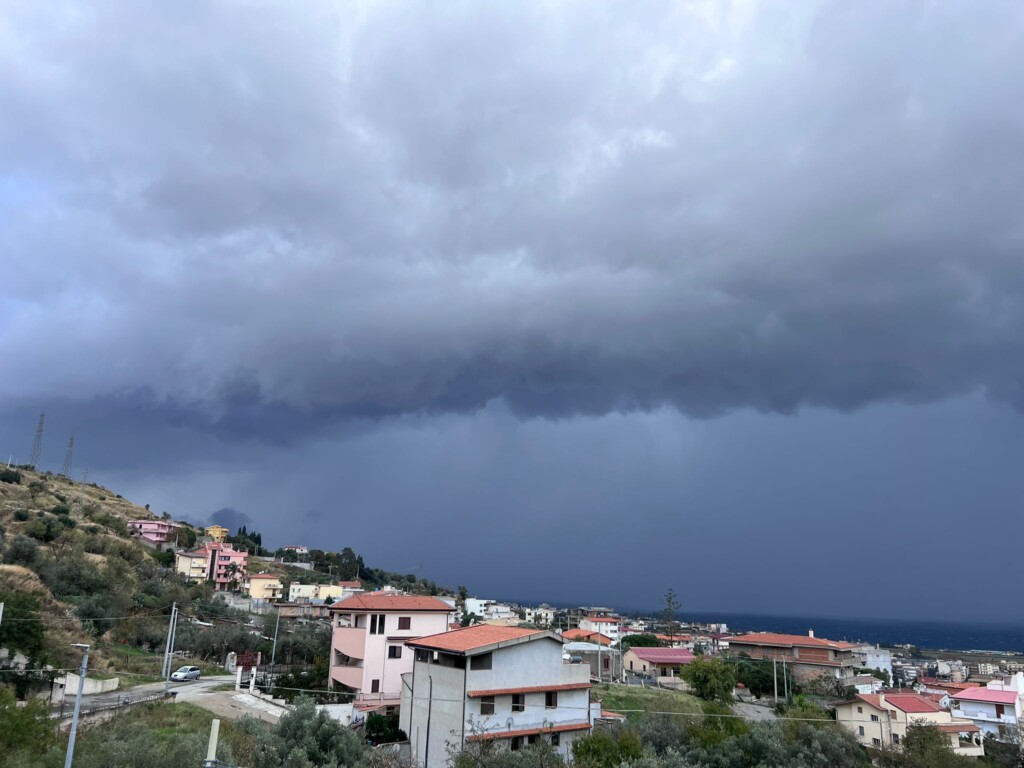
column 810, row 633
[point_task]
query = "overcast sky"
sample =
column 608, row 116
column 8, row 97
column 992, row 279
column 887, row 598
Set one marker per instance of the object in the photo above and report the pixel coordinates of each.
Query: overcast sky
column 564, row 301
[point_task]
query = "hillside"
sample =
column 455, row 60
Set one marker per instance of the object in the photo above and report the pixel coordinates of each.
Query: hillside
column 68, row 559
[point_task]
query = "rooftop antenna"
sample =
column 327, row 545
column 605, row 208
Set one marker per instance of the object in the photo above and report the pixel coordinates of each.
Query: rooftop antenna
column 67, row 458
column 37, row 444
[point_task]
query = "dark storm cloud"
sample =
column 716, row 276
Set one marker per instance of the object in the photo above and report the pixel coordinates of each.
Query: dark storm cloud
column 258, row 217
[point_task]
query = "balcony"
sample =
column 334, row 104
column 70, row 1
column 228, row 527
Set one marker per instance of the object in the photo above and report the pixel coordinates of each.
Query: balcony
column 987, row 716
column 350, row 641
column 351, row 677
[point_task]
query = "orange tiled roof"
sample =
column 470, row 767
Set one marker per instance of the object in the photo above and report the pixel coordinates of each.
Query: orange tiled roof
column 381, row 601
column 789, row 641
column 471, row 638
column 584, row 634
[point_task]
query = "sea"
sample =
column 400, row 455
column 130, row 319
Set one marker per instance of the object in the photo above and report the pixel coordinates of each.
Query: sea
column 932, row 635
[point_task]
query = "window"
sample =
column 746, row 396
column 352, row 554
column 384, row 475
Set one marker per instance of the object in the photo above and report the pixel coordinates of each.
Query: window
column 422, row 655
column 518, row 702
column 876, row 742
column 394, row 651
column 895, row 738
column 516, row 743
column 405, row 622
column 631, row 664
column 377, row 624
column 486, row 705
column 531, row 739
column 860, row 710
column 607, row 663
column 556, row 739
column 874, row 718
column 860, row 730
column 483, row 661
column 375, row 686
column 551, row 699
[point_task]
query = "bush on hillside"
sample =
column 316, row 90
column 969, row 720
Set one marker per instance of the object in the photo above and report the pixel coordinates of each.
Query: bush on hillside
column 22, row 551
column 11, row 476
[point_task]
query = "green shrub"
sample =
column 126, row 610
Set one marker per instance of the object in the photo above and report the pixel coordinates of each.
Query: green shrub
column 61, row 509
column 21, row 515
column 11, row 476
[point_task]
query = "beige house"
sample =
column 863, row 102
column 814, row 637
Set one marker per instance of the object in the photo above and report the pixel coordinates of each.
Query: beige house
column 192, row 565
column 263, row 586
column 882, row 720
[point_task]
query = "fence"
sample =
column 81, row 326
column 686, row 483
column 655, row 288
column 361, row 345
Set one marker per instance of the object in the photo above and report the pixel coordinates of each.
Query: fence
column 105, row 711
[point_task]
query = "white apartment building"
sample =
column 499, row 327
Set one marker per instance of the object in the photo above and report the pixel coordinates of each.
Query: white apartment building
column 873, row 657
column 488, row 610
column 368, row 653
column 996, row 708
column 606, row 625
column 491, row 683
column 543, row 615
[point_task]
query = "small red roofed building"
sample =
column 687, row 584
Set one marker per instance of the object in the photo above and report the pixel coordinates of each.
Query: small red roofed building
column 585, row 636
column 807, row 656
column 657, row 662
column 503, row 685
column 368, row 653
column 882, row 720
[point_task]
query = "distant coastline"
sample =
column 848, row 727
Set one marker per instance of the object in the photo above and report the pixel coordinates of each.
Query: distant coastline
column 931, row 635
column 924, row 634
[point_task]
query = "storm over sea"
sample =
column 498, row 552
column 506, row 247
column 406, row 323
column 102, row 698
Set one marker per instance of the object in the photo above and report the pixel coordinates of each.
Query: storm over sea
column 923, row 634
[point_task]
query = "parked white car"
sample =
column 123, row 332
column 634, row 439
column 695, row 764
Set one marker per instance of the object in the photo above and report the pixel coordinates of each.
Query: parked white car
column 185, row 673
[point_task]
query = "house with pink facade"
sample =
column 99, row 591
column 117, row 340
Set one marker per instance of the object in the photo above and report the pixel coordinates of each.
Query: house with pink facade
column 155, row 532
column 218, row 562
column 368, row 653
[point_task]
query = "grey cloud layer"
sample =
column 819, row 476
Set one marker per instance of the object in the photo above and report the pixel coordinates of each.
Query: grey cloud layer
column 252, row 212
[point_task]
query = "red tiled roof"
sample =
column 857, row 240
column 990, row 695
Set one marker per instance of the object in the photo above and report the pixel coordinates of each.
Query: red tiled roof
column 987, row 696
column 583, row 634
column 262, row 576
column 382, row 601
column 933, row 682
column 789, row 641
column 958, row 728
column 529, row 689
column 351, row 584
column 911, row 703
column 663, row 655
column 477, row 636
column 600, row 619
column 609, row 715
column 529, row 732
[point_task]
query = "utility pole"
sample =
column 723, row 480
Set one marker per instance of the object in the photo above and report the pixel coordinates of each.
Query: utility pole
column 785, row 679
column 775, row 678
column 67, row 458
column 78, row 703
column 169, row 651
column 37, row 443
column 273, row 651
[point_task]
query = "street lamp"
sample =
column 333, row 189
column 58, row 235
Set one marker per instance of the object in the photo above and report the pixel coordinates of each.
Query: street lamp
column 78, row 702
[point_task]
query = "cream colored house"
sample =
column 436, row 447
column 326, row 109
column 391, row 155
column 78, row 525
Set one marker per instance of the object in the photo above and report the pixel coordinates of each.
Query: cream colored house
column 882, row 720
column 263, row 586
column 192, row 565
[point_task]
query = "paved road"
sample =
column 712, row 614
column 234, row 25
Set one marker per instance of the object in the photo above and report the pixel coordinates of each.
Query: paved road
column 754, row 711
column 186, row 691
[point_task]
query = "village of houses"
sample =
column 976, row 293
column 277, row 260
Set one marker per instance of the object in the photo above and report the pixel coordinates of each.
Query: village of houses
column 483, row 670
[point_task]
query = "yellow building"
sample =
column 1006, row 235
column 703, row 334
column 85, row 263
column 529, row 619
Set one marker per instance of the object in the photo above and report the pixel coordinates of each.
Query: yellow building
column 881, row 720
column 217, row 533
column 263, row 586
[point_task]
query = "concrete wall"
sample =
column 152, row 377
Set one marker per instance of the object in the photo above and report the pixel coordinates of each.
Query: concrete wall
column 68, row 686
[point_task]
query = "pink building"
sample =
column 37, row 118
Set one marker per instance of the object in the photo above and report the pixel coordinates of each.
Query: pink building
column 220, row 563
column 154, row 531
column 368, row 653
